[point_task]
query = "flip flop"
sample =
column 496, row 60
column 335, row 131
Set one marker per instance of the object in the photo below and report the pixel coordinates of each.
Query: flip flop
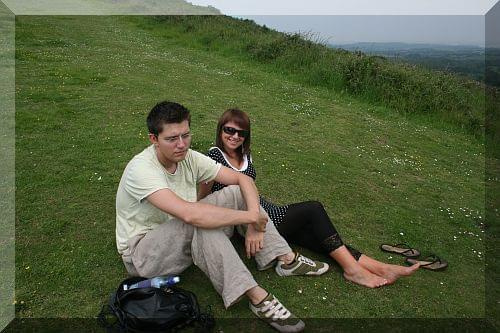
column 401, row 249
column 431, row 262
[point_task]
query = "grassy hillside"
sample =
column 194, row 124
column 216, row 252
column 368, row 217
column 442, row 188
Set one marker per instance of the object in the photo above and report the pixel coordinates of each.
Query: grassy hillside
column 402, row 87
column 85, row 84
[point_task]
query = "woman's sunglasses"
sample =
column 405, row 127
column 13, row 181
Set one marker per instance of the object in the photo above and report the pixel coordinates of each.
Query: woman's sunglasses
column 232, row 130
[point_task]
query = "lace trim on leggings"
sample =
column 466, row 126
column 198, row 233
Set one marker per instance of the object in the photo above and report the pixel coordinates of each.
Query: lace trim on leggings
column 331, row 243
column 334, row 241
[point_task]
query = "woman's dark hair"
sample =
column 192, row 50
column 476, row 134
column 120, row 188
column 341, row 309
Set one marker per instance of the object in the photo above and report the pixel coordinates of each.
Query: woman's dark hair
column 242, row 120
column 166, row 113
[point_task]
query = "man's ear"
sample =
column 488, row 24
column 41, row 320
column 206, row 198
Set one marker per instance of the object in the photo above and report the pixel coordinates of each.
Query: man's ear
column 153, row 138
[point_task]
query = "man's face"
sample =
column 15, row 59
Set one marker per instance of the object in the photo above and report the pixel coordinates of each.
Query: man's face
column 173, row 142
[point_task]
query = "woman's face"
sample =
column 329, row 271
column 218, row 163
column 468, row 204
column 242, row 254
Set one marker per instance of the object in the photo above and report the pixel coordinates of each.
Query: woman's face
column 231, row 141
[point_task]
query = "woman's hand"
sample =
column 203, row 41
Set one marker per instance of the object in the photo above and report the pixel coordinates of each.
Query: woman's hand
column 254, row 241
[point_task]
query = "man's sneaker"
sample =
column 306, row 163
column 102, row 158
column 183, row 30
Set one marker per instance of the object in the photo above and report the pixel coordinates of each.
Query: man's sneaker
column 301, row 266
column 275, row 314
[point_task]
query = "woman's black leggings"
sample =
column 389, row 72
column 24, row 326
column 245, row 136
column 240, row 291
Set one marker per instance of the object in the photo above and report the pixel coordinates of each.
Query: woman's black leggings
column 307, row 224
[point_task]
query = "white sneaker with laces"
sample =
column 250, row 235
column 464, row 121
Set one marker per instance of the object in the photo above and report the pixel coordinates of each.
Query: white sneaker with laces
column 275, row 314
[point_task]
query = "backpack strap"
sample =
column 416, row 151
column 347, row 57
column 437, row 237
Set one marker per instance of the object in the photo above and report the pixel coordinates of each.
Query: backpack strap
column 111, row 317
column 202, row 321
column 206, row 320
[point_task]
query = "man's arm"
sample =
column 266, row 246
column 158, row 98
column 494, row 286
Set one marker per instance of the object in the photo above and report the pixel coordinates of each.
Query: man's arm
column 209, row 216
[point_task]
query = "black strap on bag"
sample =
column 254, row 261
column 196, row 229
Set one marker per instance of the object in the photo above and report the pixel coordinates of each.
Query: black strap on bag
column 142, row 310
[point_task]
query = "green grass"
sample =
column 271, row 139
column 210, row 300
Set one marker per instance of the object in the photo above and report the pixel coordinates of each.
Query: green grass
column 84, row 86
column 406, row 88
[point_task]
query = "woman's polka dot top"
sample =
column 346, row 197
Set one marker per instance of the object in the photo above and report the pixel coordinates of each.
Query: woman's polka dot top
column 276, row 213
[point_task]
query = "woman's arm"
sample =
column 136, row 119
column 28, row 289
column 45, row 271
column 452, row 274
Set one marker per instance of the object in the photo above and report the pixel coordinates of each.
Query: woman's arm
column 204, row 189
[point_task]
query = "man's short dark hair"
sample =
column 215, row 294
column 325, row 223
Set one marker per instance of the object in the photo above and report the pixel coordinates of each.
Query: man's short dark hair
column 166, row 113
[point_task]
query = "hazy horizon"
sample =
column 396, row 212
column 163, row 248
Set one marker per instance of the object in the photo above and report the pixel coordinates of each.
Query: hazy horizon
column 408, row 43
column 446, row 22
column 347, row 29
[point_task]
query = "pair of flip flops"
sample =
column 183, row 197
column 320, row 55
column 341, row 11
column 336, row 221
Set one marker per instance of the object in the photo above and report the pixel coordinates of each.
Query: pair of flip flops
column 431, row 262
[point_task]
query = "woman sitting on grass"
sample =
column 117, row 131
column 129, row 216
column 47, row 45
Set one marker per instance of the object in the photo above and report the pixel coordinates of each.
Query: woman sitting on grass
column 305, row 223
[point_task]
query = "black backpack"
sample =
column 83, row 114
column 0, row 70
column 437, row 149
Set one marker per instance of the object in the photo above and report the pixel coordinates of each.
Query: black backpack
column 152, row 310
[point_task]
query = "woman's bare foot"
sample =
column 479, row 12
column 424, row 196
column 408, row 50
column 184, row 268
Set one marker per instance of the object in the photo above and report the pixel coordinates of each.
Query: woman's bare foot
column 365, row 278
column 393, row 272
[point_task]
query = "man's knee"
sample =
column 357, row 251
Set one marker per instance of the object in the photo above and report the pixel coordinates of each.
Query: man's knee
column 213, row 234
column 229, row 197
column 233, row 193
column 234, row 190
column 208, row 243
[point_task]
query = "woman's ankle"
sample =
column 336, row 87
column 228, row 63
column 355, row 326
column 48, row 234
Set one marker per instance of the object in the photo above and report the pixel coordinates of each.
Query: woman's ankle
column 345, row 259
column 353, row 269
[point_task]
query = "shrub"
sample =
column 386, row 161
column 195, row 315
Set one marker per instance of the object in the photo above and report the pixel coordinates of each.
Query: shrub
column 405, row 88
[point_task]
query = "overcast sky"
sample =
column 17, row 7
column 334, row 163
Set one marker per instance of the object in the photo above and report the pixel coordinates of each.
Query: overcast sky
column 455, row 22
column 350, row 7
column 453, row 30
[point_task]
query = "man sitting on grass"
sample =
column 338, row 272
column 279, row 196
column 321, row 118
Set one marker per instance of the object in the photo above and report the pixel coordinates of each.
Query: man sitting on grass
column 162, row 229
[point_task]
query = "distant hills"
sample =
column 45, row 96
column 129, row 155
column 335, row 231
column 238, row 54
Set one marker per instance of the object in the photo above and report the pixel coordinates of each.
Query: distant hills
column 108, row 7
column 399, row 46
column 467, row 60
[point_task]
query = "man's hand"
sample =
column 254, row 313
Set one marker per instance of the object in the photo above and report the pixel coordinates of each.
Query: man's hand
column 261, row 223
column 254, row 240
